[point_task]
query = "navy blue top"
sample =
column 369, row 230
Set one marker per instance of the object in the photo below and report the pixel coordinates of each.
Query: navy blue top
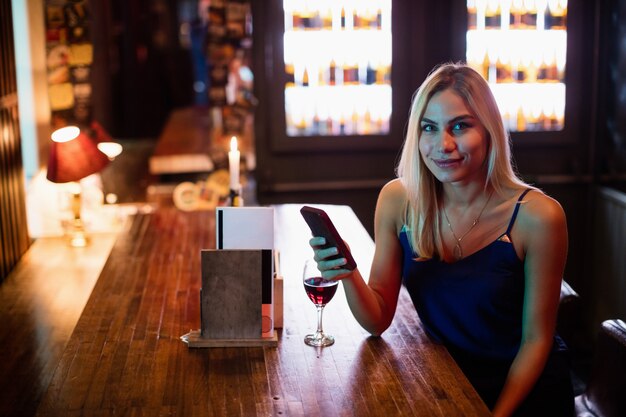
column 473, row 305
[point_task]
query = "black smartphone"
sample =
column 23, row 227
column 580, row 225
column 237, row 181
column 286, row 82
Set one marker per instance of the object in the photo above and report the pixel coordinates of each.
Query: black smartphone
column 321, row 225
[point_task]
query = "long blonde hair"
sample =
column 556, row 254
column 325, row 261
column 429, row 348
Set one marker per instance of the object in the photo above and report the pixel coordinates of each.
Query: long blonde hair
column 423, row 189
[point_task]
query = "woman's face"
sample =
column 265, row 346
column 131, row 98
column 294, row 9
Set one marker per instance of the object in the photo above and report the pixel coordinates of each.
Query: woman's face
column 453, row 142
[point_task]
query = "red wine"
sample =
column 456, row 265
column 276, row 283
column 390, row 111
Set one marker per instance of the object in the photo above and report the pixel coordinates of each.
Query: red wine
column 319, row 290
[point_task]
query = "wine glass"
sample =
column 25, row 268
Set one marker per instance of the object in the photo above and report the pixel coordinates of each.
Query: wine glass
column 320, row 292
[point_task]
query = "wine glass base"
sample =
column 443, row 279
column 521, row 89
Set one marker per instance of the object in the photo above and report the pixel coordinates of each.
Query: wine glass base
column 319, row 339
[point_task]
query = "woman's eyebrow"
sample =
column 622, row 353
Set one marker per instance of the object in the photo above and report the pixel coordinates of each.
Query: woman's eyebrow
column 453, row 120
column 461, row 117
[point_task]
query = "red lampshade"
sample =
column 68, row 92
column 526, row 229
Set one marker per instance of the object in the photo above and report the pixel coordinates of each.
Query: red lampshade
column 99, row 134
column 73, row 156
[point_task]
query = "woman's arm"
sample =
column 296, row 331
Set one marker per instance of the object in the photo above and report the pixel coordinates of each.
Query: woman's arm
column 542, row 232
column 373, row 303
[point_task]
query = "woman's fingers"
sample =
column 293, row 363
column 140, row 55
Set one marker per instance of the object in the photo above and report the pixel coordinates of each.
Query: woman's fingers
column 325, row 265
column 317, row 241
column 329, row 268
column 334, row 274
column 322, row 254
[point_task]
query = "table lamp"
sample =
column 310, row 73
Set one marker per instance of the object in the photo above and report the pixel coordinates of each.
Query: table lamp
column 74, row 156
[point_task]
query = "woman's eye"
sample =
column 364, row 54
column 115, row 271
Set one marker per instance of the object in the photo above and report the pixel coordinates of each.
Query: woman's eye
column 460, row 126
column 428, row 128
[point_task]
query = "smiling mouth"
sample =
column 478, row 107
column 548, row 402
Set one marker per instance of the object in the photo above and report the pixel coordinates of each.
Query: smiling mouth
column 446, row 163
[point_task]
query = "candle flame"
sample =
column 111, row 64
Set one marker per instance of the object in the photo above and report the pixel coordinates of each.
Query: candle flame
column 233, row 143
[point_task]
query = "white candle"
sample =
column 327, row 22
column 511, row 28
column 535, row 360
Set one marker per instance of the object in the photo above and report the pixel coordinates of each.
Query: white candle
column 233, row 164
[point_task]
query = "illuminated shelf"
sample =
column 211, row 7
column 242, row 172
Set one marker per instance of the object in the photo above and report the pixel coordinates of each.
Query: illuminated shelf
column 337, row 57
column 520, row 47
column 338, row 110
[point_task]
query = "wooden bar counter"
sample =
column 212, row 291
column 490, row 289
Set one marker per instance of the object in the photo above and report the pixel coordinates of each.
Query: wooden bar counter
column 125, row 356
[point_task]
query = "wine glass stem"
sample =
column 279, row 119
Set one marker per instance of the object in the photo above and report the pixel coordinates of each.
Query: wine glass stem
column 320, row 309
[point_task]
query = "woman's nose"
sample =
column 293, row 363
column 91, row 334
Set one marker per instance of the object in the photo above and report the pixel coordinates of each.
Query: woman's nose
column 446, row 142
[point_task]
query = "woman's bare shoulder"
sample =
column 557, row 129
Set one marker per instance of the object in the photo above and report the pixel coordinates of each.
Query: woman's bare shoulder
column 392, row 203
column 541, row 212
column 394, row 190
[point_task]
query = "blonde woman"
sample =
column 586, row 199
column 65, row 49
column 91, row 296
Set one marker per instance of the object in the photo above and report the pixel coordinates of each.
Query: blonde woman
column 480, row 252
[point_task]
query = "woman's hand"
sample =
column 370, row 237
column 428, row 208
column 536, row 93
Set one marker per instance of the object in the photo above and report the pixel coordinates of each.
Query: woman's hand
column 331, row 269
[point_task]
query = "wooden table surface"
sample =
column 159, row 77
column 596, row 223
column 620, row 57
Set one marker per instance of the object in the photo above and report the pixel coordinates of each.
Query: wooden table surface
column 125, row 357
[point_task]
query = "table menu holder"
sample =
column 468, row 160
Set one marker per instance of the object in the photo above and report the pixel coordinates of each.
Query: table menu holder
column 232, row 282
column 237, row 297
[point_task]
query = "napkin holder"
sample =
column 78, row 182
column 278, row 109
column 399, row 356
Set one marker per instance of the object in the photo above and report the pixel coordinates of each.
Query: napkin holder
column 237, row 297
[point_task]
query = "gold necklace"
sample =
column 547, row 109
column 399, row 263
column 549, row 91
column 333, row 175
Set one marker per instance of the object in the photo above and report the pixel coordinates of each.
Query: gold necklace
column 458, row 251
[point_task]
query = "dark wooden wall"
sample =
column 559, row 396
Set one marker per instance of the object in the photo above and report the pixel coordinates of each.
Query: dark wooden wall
column 13, row 229
column 141, row 71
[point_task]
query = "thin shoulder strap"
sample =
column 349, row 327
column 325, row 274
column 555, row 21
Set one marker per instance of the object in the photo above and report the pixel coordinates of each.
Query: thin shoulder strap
column 519, row 202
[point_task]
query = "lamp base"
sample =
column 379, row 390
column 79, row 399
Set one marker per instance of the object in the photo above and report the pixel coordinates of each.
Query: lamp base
column 77, row 234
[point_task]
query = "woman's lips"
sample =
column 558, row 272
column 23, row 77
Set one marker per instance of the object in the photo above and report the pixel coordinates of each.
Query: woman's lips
column 447, row 163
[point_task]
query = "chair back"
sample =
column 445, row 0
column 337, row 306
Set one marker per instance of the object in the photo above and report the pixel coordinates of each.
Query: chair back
column 605, row 395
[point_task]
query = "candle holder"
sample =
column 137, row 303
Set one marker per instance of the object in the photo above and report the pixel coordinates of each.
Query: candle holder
column 234, row 198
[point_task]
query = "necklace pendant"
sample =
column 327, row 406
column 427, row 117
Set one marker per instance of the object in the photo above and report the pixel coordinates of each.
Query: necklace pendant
column 457, row 252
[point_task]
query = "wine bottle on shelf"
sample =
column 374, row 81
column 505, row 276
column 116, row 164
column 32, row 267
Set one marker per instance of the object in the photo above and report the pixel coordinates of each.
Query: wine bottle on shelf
column 379, row 18
column 545, row 121
column 520, row 71
column 547, row 17
column 558, row 15
column 354, row 73
column 515, row 14
column 307, row 19
column 317, row 19
column 318, row 126
column 370, row 74
column 327, row 18
column 542, row 71
column 322, row 76
column 529, row 18
column 305, row 78
column 553, row 70
column 356, row 18
column 301, row 126
column 342, row 125
column 387, row 74
column 492, row 15
column 553, row 121
column 322, row 125
column 371, row 19
column 521, row 120
column 330, row 126
column 289, row 70
column 367, row 123
column 350, row 73
column 343, row 17
column 485, row 66
column 533, row 121
column 503, row 70
column 354, row 121
column 471, row 14
column 532, row 71
column 296, row 19
column 332, row 72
